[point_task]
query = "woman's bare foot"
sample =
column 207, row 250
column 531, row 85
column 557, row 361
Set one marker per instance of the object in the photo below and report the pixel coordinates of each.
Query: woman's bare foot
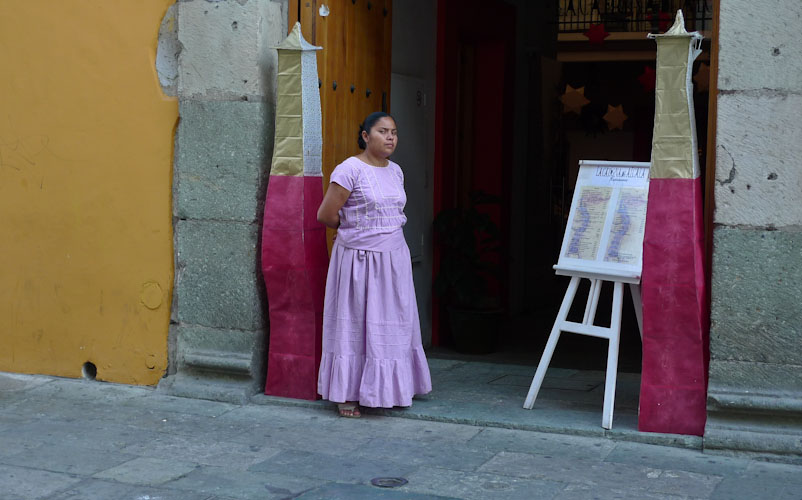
column 349, row 409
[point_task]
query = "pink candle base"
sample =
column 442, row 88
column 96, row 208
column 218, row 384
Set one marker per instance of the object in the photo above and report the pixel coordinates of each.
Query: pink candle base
column 294, row 265
column 675, row 310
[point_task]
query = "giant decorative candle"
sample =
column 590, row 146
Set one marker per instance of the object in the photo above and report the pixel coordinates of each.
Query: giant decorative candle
column 675, row 309
column 294, row 257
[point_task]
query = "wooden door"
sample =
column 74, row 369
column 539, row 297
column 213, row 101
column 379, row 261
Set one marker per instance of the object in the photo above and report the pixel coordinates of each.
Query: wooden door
column 353, row 67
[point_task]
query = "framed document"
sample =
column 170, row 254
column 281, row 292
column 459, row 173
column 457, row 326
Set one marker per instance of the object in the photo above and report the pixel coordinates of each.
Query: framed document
column 604, row 235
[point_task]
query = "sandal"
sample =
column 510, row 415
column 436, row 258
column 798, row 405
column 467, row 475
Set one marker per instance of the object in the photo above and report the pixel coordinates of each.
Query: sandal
column 348, row 410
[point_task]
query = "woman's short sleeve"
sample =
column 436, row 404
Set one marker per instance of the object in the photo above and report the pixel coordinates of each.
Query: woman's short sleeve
column 399, row 173
column 344, row 175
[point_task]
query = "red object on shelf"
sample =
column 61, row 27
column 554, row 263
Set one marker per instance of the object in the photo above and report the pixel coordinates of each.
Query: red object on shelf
column 663, row 19
column 596, row 34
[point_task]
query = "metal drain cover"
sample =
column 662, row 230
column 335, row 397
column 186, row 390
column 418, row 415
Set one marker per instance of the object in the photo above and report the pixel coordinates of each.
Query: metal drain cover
column 388, row 482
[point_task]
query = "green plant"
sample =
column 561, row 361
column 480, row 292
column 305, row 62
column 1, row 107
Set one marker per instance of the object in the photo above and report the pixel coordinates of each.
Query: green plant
column 470, row 254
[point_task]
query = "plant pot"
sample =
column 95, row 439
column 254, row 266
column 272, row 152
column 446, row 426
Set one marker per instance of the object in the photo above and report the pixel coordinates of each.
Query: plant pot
column 475, row 331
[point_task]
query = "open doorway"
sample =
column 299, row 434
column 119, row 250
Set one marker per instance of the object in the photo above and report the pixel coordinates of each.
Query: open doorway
column 478, row 86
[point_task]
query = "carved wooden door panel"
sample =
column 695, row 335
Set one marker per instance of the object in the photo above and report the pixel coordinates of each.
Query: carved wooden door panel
column 354, row 66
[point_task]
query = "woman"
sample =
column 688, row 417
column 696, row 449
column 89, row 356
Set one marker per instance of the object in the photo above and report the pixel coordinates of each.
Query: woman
column 372, row 353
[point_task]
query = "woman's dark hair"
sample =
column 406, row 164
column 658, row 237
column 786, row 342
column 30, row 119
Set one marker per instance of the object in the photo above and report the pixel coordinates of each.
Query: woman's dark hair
column 368, row 124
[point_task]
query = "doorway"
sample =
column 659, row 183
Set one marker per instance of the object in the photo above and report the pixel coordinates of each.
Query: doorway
column 500, row 71
column 475, row 88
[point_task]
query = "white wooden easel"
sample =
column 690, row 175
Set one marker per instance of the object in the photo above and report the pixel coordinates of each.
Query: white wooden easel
column 611, row 333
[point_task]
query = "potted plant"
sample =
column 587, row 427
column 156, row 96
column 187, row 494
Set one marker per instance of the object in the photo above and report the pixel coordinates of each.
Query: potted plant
column 469, row 273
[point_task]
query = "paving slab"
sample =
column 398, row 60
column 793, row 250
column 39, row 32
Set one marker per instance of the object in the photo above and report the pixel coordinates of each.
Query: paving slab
column 64, row 458
column 240, row 484
column 543, row 444
column 454, row 456
column 162, row 402
column 338, row 491
column 147, row 471
column 332, row 466
column 280, row 433
column 479, row 486
column 661, row 457
column 96, row 413
column 181, row 423
column 12, row 443
column 478, row 412
column 96, row 489
column 594, row 473
column 88, row 391
column 584, row 492
column 762, row 480
column 20, row 483
column 95, row 436
column 777, row 472
column 264, row 415
column 431, row 432
column 737, row 488
column 202, row 449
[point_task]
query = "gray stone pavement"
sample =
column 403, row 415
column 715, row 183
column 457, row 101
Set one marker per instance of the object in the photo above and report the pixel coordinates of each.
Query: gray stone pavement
column 63, row 439
column 470, row 391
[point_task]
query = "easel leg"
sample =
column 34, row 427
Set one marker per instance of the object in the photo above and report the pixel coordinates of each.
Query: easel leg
column 593, row 301
column 612, row 356
column 634, row 289
column 554, row 336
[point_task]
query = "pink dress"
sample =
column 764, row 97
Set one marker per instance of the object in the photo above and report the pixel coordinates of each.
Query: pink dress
column 372, row 350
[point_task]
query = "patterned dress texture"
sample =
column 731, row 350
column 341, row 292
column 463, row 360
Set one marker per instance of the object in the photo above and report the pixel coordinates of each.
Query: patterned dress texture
column 372, row 350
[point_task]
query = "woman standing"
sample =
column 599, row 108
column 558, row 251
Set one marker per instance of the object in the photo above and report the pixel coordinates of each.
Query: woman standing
column 372, row 352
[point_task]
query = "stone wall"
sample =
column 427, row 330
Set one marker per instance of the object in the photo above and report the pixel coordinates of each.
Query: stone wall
column 755, row 389
column 221, row 64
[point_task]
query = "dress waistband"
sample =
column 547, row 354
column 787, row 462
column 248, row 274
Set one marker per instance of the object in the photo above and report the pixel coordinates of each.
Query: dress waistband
column 373, row 242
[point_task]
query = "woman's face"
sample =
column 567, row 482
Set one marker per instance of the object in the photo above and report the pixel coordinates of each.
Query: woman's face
column 382, row 139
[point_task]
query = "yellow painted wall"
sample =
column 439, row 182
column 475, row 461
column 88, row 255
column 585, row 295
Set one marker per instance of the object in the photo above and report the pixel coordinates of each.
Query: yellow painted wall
column 86, row 144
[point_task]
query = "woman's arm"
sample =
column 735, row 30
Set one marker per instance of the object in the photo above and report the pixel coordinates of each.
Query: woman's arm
column 333, row 201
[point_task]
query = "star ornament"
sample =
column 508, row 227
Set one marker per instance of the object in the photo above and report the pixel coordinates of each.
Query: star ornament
column 596, row 34
column 574, row 100
column 648, row 79
column 615, row 117
column 702, row 78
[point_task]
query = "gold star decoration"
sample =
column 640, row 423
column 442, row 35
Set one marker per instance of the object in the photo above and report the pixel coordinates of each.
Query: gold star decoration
column 702, row 78
column 615, row 117
column 574, row 100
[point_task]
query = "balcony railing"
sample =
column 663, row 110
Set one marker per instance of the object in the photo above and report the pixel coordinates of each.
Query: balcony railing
column 653, row 16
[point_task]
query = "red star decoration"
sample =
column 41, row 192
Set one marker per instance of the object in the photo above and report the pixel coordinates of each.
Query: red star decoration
column 663, row 21
column 596, row 34
column 648, row 78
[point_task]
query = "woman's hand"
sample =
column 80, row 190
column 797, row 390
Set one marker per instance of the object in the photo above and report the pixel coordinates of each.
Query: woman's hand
column 333, row 201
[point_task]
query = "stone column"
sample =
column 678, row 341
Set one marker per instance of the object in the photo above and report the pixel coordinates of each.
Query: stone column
column 225, row 81
column 755, row 394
